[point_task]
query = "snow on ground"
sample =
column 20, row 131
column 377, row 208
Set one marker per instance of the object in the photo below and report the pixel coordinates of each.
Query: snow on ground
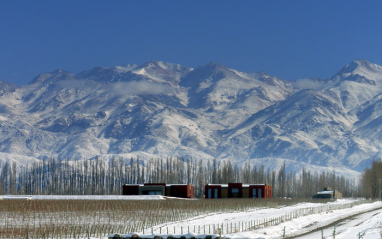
column 293, row 228
column 309, row 223
column 367, row 225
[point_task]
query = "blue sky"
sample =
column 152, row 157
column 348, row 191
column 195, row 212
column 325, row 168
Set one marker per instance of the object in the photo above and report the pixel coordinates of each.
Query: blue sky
column 289, row 39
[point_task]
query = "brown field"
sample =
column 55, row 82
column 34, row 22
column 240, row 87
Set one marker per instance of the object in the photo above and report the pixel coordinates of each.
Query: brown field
column 98, row 218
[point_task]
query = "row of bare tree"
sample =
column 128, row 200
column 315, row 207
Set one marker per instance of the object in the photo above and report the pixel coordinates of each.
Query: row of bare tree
column 106, row 177
column 371, row 184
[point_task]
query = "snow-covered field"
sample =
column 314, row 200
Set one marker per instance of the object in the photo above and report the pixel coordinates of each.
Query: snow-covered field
column 370, row 224
column 367, row 225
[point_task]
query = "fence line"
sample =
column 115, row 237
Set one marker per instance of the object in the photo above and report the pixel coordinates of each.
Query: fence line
column 250, row 225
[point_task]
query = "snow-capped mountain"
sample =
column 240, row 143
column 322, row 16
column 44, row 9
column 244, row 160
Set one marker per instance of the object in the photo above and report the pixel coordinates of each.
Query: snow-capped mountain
column 160, row 109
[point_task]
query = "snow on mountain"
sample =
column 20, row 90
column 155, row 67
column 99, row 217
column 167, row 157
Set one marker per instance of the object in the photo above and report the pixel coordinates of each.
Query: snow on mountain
column 357, row 83
column 229, row 96
column 369, row 118
column 162, row 72
column 160, row 109
column 361, row 71
column 310, row 127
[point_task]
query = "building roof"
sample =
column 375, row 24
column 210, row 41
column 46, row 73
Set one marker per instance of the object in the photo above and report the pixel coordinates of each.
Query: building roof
column 156, row 184
column 325, row 192
column 244, row 185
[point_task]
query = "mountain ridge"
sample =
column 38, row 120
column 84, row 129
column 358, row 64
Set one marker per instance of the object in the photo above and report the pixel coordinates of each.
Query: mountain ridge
column 160, row 109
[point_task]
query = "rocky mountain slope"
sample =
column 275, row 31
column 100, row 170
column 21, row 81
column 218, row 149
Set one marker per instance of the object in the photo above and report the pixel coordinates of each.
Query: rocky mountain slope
column 161, row 109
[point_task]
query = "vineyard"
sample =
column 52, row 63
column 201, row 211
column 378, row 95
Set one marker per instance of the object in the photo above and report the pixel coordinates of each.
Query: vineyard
column 98, row 218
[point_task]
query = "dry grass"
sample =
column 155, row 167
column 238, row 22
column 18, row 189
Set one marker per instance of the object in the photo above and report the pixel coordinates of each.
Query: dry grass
column 98, row 218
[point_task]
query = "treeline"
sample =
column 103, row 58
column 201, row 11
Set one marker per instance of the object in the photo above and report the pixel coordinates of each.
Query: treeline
column 372, row 181
column 106, row 177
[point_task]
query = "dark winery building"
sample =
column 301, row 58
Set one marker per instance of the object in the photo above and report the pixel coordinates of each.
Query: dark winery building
column 237, row 190
column 170, row 190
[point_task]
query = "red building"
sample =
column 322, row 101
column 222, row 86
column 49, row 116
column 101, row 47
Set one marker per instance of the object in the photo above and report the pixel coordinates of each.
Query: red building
column 238, row 190
column 170, row 190
column 260, row 191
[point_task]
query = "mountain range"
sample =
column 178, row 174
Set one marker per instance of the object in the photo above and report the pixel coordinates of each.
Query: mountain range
column 160, row 109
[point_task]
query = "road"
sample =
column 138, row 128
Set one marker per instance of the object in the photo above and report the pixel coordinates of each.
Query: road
column 368, row 225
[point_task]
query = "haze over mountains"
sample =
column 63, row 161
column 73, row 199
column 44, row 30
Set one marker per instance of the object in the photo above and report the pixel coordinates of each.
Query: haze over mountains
column 160, row 109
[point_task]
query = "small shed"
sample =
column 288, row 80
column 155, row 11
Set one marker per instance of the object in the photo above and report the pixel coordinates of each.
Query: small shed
column 328, row 193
